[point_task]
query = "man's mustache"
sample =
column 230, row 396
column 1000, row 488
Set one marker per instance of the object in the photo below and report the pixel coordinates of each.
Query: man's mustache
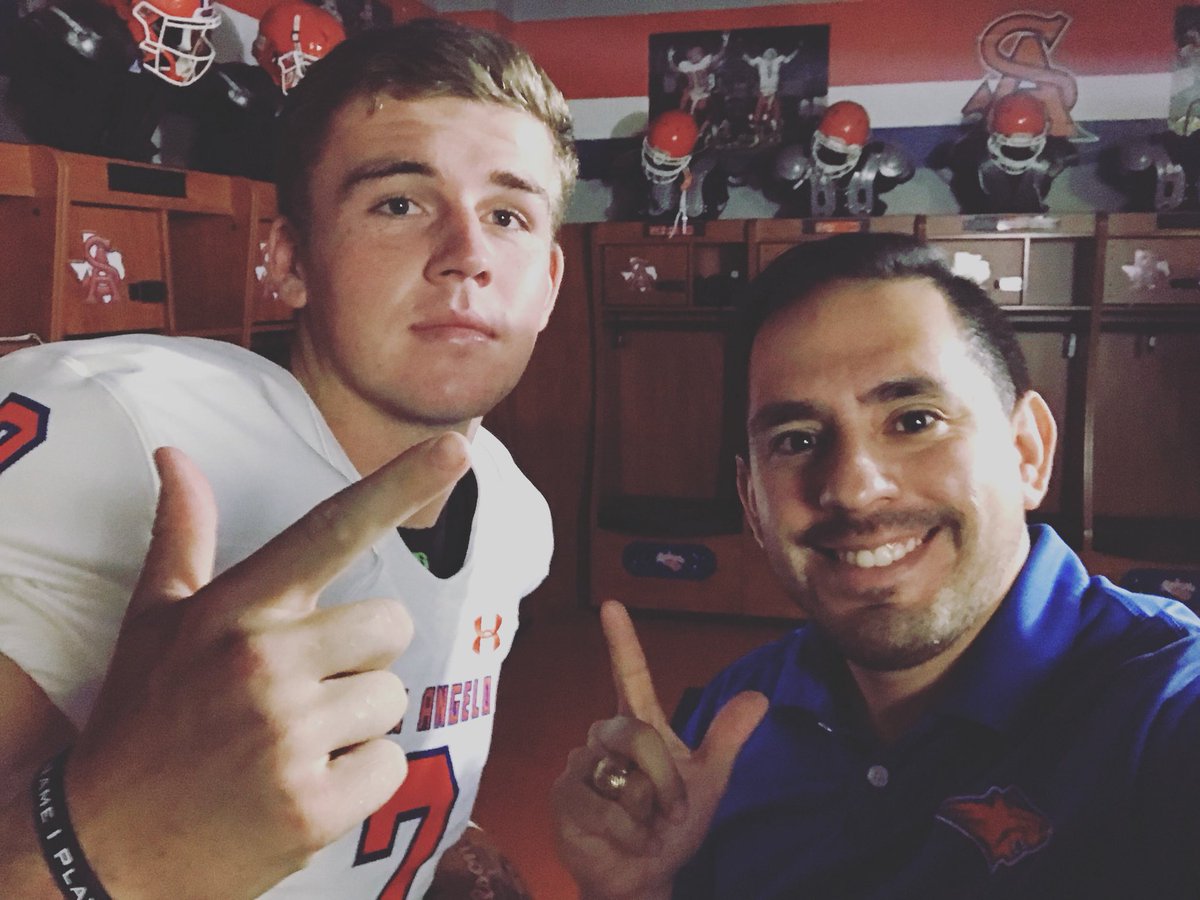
column 839, row 527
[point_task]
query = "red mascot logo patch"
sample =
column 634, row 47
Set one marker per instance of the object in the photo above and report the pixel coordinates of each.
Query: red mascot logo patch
column 1002, row 823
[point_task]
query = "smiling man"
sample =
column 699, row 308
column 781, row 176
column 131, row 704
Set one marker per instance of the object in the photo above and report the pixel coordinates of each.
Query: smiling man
column 964, row 713
column 260, row 708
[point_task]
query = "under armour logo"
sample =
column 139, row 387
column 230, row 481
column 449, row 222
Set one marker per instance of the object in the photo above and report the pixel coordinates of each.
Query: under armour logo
column 101, row 271
column 492, row 634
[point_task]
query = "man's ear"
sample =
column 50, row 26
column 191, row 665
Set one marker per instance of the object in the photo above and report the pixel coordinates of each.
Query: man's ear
column 285, row 270
column 749, row 502
column 553, row 283
column 1035, row 435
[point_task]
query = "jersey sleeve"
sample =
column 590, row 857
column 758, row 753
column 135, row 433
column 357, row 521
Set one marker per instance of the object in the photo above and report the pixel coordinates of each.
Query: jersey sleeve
column 77, row 495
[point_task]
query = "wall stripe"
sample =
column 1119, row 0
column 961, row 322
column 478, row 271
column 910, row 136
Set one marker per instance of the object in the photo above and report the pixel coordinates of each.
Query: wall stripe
column 912, row 63
column 871, row 42
column 536, row 10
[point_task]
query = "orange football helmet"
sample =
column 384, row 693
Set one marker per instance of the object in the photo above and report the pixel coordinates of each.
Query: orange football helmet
column 1017, row 124
column 173, row 35
column 839, row 139
column 291, row 37
column 668, row 145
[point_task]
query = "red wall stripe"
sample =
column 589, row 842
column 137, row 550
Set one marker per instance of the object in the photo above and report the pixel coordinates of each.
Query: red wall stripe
column 401, row 9
column 871, row 41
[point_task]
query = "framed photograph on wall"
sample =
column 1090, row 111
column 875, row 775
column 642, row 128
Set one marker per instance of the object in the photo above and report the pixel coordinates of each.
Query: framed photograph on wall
column 748, row 89
column 1183, row 114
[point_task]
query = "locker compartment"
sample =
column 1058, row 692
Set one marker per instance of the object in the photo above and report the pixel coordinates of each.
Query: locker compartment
column 1059, row 272
column 998, row 266
column 1159, row 269
column 719, row 274
column 206, row 270
column 647, row 274
column 116, row 270
column 147, row 248
column 1146, row 483
column 1047, row 355
column 28, row 194
column 665, row 452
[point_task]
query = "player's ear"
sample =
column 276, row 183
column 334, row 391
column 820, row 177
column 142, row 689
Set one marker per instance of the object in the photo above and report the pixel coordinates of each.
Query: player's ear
column 745, row 488
column 285, row 269
column 1035, row 435
column 554, row 276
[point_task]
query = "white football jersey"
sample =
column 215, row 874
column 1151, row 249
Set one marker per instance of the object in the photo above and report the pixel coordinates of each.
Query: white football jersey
column 79, row 422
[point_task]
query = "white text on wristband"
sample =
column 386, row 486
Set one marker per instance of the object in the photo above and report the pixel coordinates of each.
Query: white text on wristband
column 70, row 869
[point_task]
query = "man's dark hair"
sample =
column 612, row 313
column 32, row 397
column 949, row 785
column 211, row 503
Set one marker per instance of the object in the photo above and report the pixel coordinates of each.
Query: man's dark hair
column 417, row 60
column 807, row 268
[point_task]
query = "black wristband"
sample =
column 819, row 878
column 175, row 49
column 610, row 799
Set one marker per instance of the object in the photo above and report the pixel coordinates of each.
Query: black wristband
column 60, row 847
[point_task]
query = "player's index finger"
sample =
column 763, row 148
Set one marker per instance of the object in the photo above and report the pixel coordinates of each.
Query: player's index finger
column 316, row 548
column 635, row 688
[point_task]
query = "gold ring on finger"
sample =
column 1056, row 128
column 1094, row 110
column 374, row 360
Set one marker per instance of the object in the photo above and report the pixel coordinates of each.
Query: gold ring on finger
column 610, row 777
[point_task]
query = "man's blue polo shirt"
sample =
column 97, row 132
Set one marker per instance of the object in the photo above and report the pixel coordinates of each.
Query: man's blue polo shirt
column 1062, row 761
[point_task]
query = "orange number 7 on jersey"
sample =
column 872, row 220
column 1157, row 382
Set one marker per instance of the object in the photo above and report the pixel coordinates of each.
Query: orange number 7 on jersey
column 22, row 427
column 428, row 794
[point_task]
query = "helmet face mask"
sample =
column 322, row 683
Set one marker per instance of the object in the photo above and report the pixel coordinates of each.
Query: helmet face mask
column 292, row 65
column 1016, row 153
column 839, row 140
column 1017, row 124
column 833, row 156
column 174, row 38
column 659, row 166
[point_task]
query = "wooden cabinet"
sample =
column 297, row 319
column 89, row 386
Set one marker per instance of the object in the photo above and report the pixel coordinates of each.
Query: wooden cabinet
column 1145, row 414
column 99, row 246
column 1106, row 308
column 666, row 527
column 28, row 211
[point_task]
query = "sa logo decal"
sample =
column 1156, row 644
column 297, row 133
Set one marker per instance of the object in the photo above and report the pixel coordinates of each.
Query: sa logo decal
column 22, row 427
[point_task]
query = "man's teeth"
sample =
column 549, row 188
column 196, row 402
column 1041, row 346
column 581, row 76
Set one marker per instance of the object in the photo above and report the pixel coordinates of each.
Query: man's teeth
column 879, row 556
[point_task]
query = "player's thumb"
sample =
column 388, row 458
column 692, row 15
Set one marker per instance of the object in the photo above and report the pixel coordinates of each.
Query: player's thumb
column 184, row 537
column 730, row 729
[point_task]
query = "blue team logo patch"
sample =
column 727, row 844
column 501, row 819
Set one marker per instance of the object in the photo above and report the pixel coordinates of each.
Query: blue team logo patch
column 22, row 427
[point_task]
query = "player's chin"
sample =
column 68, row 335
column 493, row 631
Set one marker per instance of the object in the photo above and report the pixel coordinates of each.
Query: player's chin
column 452, row 411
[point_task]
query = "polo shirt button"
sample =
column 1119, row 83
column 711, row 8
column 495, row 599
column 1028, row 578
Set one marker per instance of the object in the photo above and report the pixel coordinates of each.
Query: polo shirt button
column 877, row 776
